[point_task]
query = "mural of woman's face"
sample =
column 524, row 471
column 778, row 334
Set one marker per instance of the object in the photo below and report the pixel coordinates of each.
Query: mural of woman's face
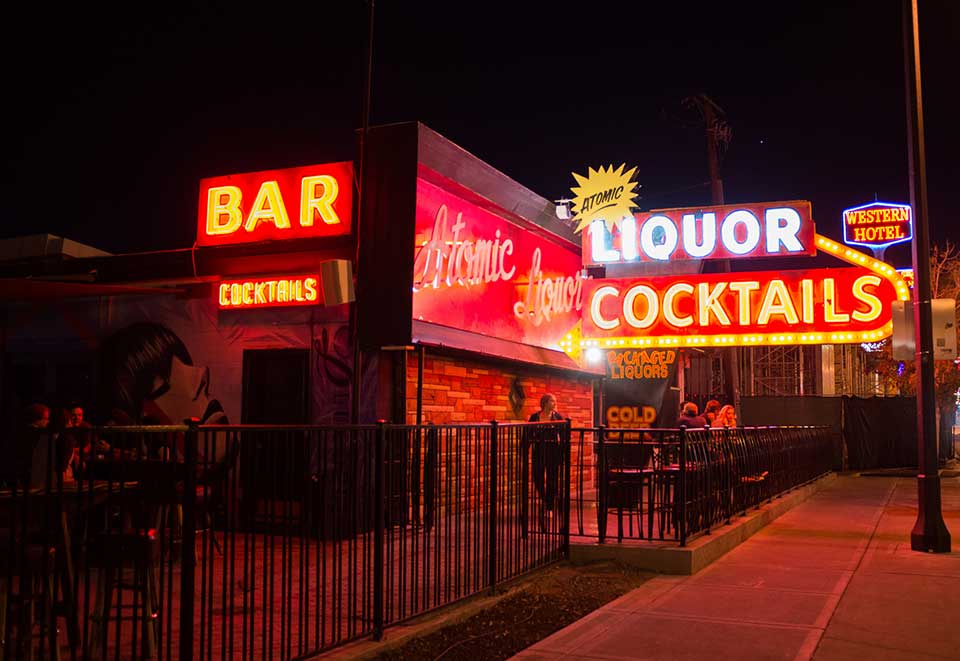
column 184, row 394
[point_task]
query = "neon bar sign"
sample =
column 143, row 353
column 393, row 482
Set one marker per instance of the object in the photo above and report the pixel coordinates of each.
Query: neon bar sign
column 278, row 291
column 723, row 232
column 295, row 203
column 878, row 224
column 789, row 307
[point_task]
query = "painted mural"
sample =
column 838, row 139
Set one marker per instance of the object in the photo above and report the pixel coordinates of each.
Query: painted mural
column 162, row 359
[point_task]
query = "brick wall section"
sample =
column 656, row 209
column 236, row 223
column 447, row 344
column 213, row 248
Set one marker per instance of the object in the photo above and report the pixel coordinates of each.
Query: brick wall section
column 457, row 390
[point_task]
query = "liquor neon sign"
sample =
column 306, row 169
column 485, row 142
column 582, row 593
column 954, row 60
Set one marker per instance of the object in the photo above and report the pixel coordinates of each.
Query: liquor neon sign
column 304, row 202
column 278, row 291
column 878, row 224
column 723, row 232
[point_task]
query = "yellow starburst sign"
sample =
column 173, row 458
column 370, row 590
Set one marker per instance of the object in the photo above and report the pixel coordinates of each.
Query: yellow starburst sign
column 604, row 194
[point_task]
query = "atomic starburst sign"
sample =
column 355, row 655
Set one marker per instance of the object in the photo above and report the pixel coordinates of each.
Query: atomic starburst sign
column 604, row 194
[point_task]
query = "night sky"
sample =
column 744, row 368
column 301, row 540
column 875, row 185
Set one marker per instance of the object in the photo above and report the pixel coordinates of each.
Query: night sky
column 113, row 118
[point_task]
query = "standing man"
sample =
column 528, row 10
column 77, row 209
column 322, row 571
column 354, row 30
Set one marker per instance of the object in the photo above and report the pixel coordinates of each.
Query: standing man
column 35, row 424
column 547, row 455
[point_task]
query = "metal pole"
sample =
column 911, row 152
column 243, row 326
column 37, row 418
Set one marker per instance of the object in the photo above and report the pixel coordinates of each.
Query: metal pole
column 364, row 128
column 420, row 352
column 188, row 557
column 492, row 507
column 680, row 490
column 929, row 532
column 567, row 439
column 378, row 525
column 729, row 357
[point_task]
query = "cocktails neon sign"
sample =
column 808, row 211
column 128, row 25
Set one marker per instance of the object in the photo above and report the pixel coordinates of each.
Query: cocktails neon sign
column 745, row 309
column 278, row 291
column 259, row 206
column 878, row 224
column 723, row 232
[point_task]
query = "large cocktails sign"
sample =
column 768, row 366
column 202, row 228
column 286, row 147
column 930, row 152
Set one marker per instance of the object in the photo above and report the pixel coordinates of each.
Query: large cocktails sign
column 295, row 203
column 477, row 271
column 740, row 309
column 771, row 229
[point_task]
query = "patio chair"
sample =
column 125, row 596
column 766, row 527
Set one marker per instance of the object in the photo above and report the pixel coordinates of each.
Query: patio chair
column 128, row 556
column 628, row 472
column 211, row 491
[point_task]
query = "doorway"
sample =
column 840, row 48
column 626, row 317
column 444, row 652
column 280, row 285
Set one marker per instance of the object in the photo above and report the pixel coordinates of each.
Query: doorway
column 275, row 386
column 275, row 392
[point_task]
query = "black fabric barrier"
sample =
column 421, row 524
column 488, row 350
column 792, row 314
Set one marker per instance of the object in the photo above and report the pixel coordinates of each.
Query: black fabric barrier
column 764, row 411
column 880, row 432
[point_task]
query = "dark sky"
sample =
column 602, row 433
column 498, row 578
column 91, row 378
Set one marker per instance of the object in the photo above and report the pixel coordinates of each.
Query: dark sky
column 113, row 118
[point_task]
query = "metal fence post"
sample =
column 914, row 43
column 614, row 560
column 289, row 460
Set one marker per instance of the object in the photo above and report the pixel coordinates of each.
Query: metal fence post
column 601, row 482
column 378, row 523
column 188, row 559
column 492, row 506
column 567, row 440
column 682, row 488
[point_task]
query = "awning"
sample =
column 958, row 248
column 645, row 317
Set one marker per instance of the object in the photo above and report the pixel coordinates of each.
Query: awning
column 484, row 345
column 30, row 289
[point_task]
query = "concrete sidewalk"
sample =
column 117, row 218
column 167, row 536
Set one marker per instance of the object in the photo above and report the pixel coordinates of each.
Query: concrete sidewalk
column 834, row 578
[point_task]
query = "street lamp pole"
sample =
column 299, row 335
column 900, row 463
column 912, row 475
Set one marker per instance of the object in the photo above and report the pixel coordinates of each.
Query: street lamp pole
column 929, row 532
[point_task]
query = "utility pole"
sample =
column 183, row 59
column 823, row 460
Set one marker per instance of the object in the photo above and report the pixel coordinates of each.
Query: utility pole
column 364, row 128
column 717, row 131
column 929, row 532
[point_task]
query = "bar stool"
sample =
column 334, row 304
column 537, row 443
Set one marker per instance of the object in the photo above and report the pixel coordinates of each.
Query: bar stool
column 31, row 567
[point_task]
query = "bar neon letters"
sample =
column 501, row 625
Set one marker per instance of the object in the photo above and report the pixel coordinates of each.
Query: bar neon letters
column 278, row 291
column 261, row 206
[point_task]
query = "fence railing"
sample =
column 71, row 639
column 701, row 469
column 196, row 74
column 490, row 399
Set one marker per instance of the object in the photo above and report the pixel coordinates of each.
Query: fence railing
column 279, row 542
column 673, row 484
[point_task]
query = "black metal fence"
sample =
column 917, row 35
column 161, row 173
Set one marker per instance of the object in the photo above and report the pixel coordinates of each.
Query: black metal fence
column 263, row 541
column 672, row 484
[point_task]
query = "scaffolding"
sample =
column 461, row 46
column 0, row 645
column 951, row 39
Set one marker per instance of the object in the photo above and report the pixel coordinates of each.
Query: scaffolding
column 841, row 369
column 780, row 370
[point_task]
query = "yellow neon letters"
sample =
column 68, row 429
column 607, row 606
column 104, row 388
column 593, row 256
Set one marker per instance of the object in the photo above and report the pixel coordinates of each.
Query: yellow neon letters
column 224, row 201
column 322, row 204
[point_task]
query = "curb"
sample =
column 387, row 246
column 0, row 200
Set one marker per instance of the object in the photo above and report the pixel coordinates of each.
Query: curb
column 667, row 558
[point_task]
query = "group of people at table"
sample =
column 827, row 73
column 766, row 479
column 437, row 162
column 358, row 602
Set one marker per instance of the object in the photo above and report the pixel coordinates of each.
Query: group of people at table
column 714, row 415
column 70, row 438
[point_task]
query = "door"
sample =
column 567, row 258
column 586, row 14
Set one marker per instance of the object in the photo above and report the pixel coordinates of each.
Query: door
column 275, row 387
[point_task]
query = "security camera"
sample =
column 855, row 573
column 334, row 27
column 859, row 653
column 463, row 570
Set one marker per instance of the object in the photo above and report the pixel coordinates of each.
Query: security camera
column 563, row 209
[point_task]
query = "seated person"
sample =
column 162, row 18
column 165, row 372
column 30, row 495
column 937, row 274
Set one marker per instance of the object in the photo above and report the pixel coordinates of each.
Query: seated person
column 691, row 418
